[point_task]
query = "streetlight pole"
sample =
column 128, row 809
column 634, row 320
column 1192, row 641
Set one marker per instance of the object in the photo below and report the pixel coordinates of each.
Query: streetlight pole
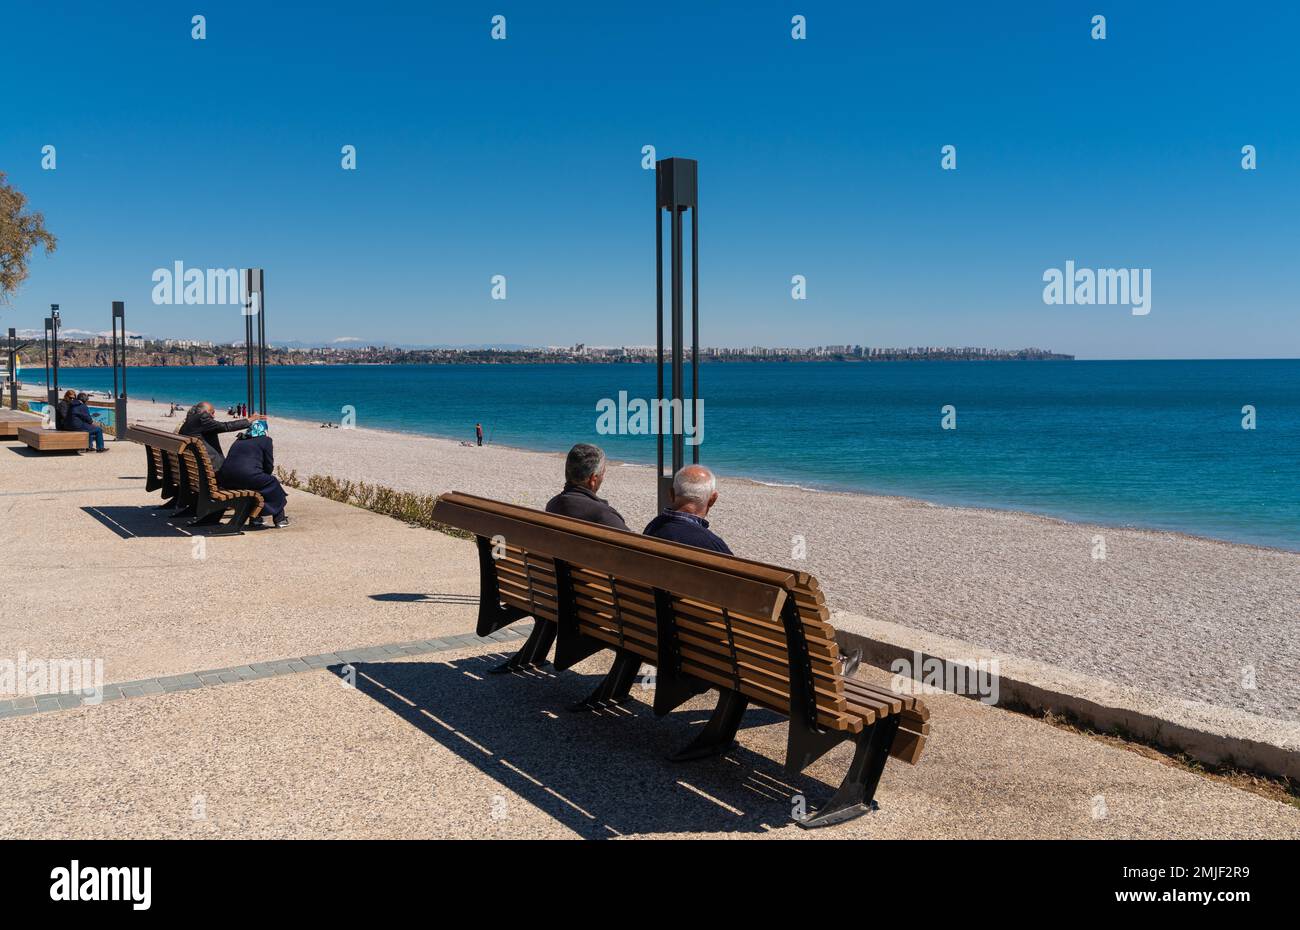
column 676, row 190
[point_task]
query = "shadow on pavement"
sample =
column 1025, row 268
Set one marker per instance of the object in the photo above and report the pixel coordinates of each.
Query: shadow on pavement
column 603, row 775
column 412, row 596
column 136, row 522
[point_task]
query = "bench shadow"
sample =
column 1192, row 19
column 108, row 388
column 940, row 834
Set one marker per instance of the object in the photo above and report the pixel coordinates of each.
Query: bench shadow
column 412, row 596
column 28, row 452
column 136, row 522
column 603, row 775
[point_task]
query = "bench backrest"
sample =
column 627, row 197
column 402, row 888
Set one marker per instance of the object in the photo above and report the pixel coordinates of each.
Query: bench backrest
column 731, row 618
column 158, row 439
column 198, row 468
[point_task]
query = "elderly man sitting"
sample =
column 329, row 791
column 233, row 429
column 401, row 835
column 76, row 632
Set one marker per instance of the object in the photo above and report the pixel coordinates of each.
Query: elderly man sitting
column 695, row 491
column 584, row 472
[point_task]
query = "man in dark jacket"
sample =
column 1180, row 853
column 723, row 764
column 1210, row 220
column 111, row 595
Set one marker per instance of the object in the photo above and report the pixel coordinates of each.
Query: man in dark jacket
column 78, row 418
column 695, row 491
column 251, row 466
column 584, row 470
column 202, row 422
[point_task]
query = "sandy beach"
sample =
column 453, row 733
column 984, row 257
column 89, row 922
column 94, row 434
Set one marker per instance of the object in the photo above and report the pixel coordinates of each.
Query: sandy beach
column 1194, row 618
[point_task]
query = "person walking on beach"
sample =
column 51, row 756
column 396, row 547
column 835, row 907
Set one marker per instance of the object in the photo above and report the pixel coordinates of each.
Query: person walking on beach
column 201, row 422
column 478, row 433
column 695, row 492
column 584, row 471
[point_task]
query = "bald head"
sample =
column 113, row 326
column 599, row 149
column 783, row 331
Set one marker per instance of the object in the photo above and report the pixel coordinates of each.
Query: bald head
column 695, row 490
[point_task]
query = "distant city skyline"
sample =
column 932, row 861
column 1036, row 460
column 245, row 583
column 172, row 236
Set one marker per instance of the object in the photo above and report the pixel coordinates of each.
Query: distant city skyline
column 819, row 158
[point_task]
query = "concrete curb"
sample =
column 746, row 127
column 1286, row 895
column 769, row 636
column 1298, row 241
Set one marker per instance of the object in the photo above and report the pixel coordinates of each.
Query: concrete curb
column 1205, row 732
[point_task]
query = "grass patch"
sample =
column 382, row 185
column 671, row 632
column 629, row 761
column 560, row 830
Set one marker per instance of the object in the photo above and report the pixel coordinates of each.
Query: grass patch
column 412, row 509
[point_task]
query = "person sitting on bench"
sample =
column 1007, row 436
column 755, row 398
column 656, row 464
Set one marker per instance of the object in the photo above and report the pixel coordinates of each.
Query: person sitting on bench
column 250, row 466
column 78, row 418
column 201, row 422
column 584, row 471
column 695, row 491
column 61, row 409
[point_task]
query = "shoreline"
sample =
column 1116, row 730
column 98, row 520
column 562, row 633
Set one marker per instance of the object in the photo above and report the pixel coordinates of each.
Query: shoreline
column 1164, row 611
column 1076, row 520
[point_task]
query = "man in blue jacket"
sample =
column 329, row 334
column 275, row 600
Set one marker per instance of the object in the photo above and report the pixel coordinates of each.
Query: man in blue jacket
column 695, row 491
column 78, row 418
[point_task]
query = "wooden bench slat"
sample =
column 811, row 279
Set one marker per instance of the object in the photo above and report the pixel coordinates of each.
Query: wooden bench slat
column 761, row 598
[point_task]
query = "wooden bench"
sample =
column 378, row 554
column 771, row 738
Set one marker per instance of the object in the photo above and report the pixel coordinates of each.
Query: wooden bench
column 13, row 420
column 54, row 440
column 756, row 633
column 211, row 500
column 162, row 460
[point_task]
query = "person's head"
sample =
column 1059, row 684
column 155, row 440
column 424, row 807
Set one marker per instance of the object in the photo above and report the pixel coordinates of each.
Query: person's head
column 585, row 466
column 257, row 429
column 695, row 490
column 83, row 397
column 69, row 395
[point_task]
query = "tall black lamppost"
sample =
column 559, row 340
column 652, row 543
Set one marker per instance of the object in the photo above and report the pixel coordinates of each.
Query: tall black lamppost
column 52, row 356
column 255, row 353
column 119, row 361
column 676, row 190
column 13, row 368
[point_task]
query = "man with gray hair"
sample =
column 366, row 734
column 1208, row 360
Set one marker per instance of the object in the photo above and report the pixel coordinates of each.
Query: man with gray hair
column 695, row 491
column 584, row 471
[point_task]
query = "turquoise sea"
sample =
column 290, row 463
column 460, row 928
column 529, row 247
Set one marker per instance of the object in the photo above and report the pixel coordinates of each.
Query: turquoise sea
column 1156, row 444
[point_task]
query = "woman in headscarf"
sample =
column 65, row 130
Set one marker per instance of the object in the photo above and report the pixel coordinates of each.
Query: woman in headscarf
column 250, row 465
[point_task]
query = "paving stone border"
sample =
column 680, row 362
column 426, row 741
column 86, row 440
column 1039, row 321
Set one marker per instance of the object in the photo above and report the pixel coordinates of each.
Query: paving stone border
column 209, row 678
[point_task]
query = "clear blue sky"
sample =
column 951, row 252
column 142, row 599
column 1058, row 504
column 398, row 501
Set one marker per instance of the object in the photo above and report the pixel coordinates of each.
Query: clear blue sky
column 522, row 157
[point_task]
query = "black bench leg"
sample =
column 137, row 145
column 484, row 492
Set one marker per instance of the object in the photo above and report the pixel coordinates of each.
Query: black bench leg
column 534, row 651
column 857, row 793
column 235, row 525
column 615, row 686
column 719, row 734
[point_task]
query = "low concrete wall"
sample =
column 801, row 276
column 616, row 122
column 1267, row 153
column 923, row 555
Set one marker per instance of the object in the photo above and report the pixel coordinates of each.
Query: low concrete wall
column 1205, row 732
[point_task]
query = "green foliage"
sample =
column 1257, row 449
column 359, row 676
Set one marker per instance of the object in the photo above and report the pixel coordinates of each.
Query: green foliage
column 415, row 509
column 21, row 231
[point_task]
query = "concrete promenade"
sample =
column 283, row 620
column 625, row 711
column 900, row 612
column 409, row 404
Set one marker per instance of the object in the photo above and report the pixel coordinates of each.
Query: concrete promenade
column 225, row 714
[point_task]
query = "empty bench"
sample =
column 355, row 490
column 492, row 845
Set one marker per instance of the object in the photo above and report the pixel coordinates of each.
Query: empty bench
column 13, row 420
column 54, row 440
column 180, row 467
column 756, row 633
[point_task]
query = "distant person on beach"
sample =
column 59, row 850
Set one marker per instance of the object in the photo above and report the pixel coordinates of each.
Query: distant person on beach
column 584, row 471
column 251, row 466
column 695, row 491
column 478, row 433
column 78, row 418
column 201, row 422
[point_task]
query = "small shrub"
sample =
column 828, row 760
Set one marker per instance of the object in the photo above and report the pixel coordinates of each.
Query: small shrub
column 410, row 508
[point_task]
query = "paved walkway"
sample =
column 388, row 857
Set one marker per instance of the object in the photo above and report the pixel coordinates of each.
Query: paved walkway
column 231, row 718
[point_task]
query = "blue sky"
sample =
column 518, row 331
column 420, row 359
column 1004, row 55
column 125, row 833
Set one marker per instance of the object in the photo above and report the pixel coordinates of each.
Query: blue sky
column 522, row 157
